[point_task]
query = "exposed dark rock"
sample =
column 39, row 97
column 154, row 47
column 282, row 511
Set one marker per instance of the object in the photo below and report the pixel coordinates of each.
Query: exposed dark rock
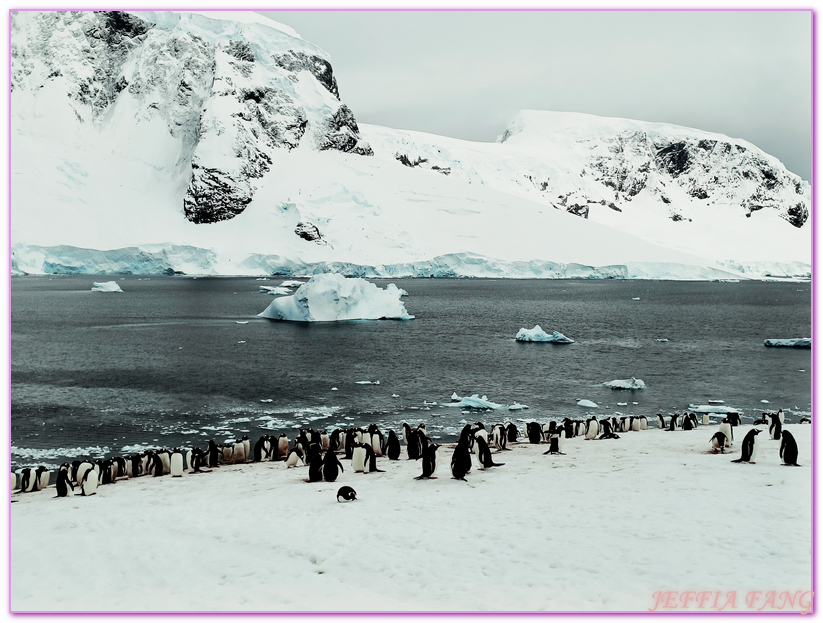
column 214, row 195
column 665, row 200
column 404, row 159
column 241, row 51
column 797, row 215
column 443, row 170
column 578, row 210
column 674, row 159
column 308, row 231
column 677, row 217
column 320, row 68
column 699, row 193
column 342, row 134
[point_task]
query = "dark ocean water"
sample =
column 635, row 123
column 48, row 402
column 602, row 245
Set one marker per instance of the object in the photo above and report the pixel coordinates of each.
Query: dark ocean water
column 166, row 364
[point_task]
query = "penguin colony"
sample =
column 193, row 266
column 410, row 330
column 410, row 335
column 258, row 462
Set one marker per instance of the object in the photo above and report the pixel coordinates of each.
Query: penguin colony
column 319, row 450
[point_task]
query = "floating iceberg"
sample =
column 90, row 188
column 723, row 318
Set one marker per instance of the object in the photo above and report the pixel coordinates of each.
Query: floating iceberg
column 105, row 286
column 241, row 322
column 712, row 409
column 330, row 297
column 474, row 401
column 631, row 383
column 538, row 335
column 661, row 339
column 799, row 342
column 588, row 404
column 274, row 290
column 716, row 402
column 291, row 284
column 517, row 407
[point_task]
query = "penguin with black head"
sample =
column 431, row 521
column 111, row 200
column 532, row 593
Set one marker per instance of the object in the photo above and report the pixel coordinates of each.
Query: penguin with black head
column 749, row 447
column 429, row 462
column 788, row 449
column 330, row 466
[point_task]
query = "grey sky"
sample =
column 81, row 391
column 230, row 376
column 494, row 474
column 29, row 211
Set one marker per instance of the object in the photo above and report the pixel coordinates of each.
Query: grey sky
column 746, row 74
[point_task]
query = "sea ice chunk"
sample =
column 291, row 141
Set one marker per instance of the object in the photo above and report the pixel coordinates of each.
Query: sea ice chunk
column 799, row 342
column 588, row 404
column 712, row 409
column 474, row 401
column 632, row 383
column 291, row 284
column 105, row 286
column 538, row 335
column 274, row 290
column 330, row 297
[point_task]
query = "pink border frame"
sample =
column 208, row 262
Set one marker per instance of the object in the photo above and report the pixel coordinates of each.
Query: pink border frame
column 814, row 367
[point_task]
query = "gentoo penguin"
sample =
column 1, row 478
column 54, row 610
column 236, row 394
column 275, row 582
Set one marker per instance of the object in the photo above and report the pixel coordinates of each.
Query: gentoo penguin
column 726, row 429
column 371, row 459
column 246, row 446
column 592, row 428
column 781, row 415
column 324, row 440
column 89, row 483
column 534, row 432
column 688, row 423
column 414, row 445
column 430, row 462
column 555, row 443
column 625, row 424
column 330, row 465
column 568, row 428
column 197, row 459
column 484, row 455
column 661, row 421
column 511, row 433
column 82, row 468
column 358, row 458
column 734, row 418
column 635, row 423
column 788, row 449
column 482, row 433
column 13, row 481
column 607, row 432
column 43, row 477
column 406, row 433
column 499, row 437
column 805, row 420
column 705, row 419
column 644, row 423
column 749, row 446
column 28, row 480
column 176, row 463
column 673, row 422
column 212, row 454
column 346, row 494
column 165, row 458
column 108, row 471
column 393, row 446
column 261, row 449
column 155, row 465
column 720, row 442
column 295, row 456
column 238, row 454
column 775, row 428
column 351, row 439
column 64, row 486
column 316, row 466
column 282, row 447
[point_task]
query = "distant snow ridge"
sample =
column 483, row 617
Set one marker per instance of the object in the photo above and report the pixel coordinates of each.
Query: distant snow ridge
column 538, row 335
column 330, row 297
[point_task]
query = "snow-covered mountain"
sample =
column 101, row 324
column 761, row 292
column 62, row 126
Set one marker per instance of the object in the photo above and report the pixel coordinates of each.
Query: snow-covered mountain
column 218, row 143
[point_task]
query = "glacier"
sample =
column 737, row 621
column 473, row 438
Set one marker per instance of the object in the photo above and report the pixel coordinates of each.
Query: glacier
column 331, row 297
column 217, row 143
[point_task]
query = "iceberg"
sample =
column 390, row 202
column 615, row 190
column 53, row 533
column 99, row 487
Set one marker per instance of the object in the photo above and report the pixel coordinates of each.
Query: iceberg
column 475, row 402
column 712, row 409
column 799, row 342
column 274, row 290
column 588, row 404
column 291, row 284
column 105, row 286
column 330, row 297
column 538, row 335
column 632, row 383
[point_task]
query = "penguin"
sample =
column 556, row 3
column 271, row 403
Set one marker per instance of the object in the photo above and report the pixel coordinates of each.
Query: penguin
column 13, row 481
column 481, row 433
column 688, row 424
column 607, row 432
column 43, row 477
column 28, row 480
column 89, row 483
column 358, row 458
column 155, row 465
column 592, row 428
column 134, row 466
column 511, row 432
column 661, row 421
column 108, row 472
column 324, row 440
column 720, row 442
column 412, row 444
column 484, row 455
column 568, row 427
column 534, row 432
column 406, row 433
column 371, row 460
column 212, row 454
column 260, row 451
column 734, row 418
column 81, row 470
column 644, row 423
column 165, row 458
column 673, row 422
column 64, row 486
column 393, row 446
column 749, row 447
column 295, row 456
column 499, row 437
column 351, row 439
column 788, row 449
column 635, row 423
column 176, row 463
column 726, row 429
column 330, row 465
column 705, row 419
column 282, row 447
column 775, row 428
column 805, row 420
column 346, row 494
column 781, row 415
column 197, row 460
column 316, row 466
column 239, row 451
column 556, row 444
column 430, row 462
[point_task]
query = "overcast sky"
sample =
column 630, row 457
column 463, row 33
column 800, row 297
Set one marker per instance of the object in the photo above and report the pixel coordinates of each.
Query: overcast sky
column 746, row 74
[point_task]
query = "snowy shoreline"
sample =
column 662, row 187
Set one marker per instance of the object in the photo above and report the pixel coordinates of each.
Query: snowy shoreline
column 599, row 529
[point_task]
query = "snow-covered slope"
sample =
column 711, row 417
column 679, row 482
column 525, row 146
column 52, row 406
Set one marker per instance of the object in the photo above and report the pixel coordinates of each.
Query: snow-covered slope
column 217, row 143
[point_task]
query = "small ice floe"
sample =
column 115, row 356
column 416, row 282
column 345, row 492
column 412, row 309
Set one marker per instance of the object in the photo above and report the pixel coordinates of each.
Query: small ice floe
column 517, row 406
column 242, row 342
column 241, row 322
column 105, row 286
column 395, row 395
column 635, row 403
column 291, row 284
column 265, row 400
column 334, row 389
column 712, row 409
column 725, row 280
column 455, row 397
column 798, row 342
column 262, row 279
column 362, row 382
column 636, row 298
column 661, row 339
column 431, row 404
column 274, row 290
column 801, row 370
column 716, row 402
column 474, row 402
column 622, row 404
column 462, row 422
column 631, row 383
column 765, row 402
column 539, row 335
column 588, row 404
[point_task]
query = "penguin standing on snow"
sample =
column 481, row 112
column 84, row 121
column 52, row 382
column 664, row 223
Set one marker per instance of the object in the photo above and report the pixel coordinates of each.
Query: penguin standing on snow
column 213, row 454
column 64, row 486
column 484, row 454
column 726, row 429
column 788, row 449
column 775, row 428
column 534, row 432
column 176, row 463
column 89, row 484
column 330, row 465
column 661, row 421
column 295, row 456
column 358, row 458
column 316, row 467
column 673, row 422
column 511, row 432
column 749, row 447
column 430, row 462
column 393, row 446
column 371, row 459
column 720, row 442
column 262, row 449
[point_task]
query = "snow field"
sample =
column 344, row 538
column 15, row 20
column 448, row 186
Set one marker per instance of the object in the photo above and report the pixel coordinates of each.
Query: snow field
column 600, row 528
